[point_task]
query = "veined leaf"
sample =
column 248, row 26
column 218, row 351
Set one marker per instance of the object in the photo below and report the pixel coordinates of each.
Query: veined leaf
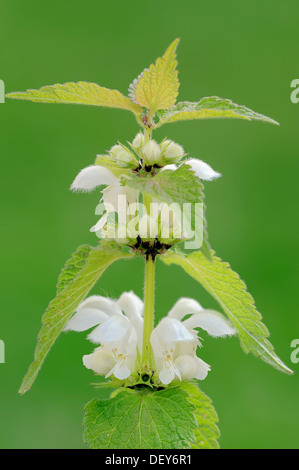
column 73, row 266
column 78, row 93
column 110, row 164
column 209, row 108
column 181, row 187
column 207, row 432
column 142, row 419
column 157, row 87
column 78, row 277
column 230, row 292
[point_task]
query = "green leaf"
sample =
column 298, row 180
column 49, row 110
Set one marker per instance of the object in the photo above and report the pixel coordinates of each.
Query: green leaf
column 78, row 93
column 230, row 292
column 78, row 277
column 207, row 433
column 142, row 419
column 180, row 186
column 209, row 108
column 112, row 165
column 157, row 87
column 73, row 266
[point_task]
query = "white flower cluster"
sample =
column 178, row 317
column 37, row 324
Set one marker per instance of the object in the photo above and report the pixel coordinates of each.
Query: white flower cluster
column 124, row 218
column 118, row 327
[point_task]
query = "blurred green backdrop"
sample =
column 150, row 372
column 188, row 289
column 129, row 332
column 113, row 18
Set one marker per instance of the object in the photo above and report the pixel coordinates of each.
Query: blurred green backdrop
column 244, row 51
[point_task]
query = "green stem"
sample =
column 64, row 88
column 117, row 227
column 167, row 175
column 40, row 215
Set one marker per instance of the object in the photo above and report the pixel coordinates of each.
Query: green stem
column 149, row 299
column 147, row 134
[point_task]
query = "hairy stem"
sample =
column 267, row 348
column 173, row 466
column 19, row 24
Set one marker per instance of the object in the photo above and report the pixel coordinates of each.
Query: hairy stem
column 149, row 299
column 147, row 134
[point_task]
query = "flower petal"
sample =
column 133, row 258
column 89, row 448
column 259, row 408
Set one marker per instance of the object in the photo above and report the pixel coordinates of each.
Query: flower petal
column 113, row 330
column 120, row 371
column 168, row 373
column 85, row 319
column 202, row 170
column 170, row 330
column 187, row 366
column 132, row 306
column 106, row 305
column 91, row 177
column 183, row 307
column 118, row 198
column 202, row 369
column 171, row 166
column 101, row 361
column 212, row 322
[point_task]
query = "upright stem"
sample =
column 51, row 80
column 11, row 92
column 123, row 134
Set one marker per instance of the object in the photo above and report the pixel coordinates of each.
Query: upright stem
column 147, row 134
column 149, row 299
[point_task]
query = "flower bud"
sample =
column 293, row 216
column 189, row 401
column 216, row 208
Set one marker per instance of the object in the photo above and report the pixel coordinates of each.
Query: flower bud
column 171, row 151
column 138, row 141
column 122, row 156
column 151, row 152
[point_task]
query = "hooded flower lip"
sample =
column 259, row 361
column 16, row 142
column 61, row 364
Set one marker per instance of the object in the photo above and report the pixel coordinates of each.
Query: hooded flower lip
column 118, row 328
column 93, row 176
column 175, row 340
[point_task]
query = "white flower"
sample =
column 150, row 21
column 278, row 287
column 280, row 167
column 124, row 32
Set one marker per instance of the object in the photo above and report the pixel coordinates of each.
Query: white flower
column 172, row 154
column 202, row 170
column 93, row 176
column 174, row 341
column 113, row 196
column 119, row 326
column 117, row 221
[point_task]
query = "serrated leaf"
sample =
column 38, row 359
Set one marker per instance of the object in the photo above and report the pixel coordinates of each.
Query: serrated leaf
column 207, row 433
column 73, row 266
column 157, row 87
column 142, row 419
column 211, row 107
column 230, row 292
column 180, row 186
column 78, row 93
column 107, row 162
column 76, row 280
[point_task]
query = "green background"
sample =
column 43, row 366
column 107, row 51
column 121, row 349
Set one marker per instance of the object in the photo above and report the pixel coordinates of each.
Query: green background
column 246, row 51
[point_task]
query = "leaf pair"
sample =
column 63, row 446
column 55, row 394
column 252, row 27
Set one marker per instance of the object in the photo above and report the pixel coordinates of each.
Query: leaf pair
column 155, row 90
column 174, row 418
column 88, row 264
